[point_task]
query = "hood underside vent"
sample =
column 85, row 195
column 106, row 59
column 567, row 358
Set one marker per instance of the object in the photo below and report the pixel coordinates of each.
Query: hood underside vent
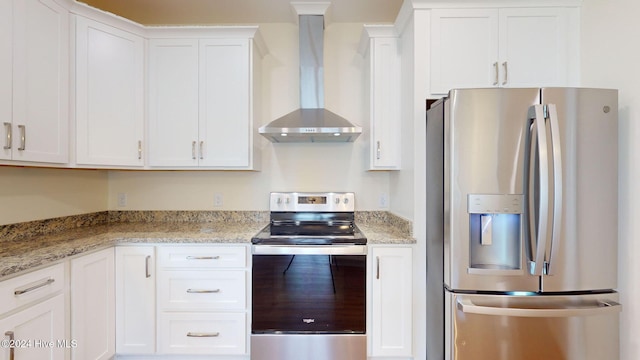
column 311, row 123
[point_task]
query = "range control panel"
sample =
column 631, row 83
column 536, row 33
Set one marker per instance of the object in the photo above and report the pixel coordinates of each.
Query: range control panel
column 318, row 202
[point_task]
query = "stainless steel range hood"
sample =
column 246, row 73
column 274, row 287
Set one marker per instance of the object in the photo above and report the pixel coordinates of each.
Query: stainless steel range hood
column 311, row 123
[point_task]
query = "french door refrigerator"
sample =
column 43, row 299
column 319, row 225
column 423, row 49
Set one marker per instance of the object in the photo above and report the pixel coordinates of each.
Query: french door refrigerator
column 522, row 225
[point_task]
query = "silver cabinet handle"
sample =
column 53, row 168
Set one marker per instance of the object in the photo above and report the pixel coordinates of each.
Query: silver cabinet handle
column 147, row 266
column 203, row 257
column 202, row 334
column 506, row 74
column 203, row 291
column 495, row 65
column 12, row 348
column 7, row 128
column 201, row 150
column 23, row 137
column 193, row 150
column 34, row 287
column 377, row 267
column 139, row 149
column 378, row 150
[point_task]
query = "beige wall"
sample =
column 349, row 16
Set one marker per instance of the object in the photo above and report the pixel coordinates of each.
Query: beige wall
column 30, row 194
column 610, row 57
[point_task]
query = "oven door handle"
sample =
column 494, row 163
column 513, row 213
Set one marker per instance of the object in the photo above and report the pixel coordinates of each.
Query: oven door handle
column 309, row 249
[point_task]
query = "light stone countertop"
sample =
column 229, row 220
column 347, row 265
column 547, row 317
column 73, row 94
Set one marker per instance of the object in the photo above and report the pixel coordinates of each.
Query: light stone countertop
column 18, row 254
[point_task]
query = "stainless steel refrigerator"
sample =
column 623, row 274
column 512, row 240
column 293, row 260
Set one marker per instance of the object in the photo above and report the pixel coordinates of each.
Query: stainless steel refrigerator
column 522, row 225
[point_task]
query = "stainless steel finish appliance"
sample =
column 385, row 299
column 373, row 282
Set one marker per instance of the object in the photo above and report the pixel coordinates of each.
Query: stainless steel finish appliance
column 522, row 224
column 312, row 122
column 309, row 280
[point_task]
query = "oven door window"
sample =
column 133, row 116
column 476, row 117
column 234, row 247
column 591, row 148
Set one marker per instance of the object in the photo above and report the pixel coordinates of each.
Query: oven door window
column 309, row 294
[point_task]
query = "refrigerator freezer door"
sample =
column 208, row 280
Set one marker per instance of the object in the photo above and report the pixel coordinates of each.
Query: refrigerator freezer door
column 584, row 255
column 484, row 150
column 532, row 327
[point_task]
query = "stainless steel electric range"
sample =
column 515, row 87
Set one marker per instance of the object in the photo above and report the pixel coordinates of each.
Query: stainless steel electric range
column 309, row 280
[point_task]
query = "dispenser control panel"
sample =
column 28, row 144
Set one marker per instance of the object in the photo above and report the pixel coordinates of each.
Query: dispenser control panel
column 495, row 203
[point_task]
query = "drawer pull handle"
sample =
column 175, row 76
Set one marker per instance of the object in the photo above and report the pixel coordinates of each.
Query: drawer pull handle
column 202, row 291
column 34, row 287
column 199, row 334
column 203, row 257
column 12, row 348
column 147, row 266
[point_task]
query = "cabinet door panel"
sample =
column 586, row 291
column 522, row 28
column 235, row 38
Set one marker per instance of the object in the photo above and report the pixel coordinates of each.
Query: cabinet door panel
column 6, row 76
column 173, row 98
column 40, row 82
column 135, row 300
column 40, row 328
column 93, row 306
column 109, row 95
column 464, row 45
column 224, row 102
column 533, row 46
column 392, row 302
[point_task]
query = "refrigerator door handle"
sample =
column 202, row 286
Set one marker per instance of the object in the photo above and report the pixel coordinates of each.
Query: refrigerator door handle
column 552, row 252
column 539, row 134
column 599, row 307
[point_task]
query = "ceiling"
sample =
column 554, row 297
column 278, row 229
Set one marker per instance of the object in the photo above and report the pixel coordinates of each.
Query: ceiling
column 209, row 12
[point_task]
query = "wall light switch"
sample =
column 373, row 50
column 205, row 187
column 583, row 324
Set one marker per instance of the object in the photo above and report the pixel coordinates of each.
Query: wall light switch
column 217, row 200
column 383, row 201
column 122, row 199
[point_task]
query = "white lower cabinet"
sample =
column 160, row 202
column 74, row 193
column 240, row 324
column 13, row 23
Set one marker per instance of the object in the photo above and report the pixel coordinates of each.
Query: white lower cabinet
column 93, row 306
column 202, row 300
column 190, row 303
column 390, row 330
column 32, row 316
column 135, row 300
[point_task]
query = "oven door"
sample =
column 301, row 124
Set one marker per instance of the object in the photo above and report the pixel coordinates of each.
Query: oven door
column 309, row 300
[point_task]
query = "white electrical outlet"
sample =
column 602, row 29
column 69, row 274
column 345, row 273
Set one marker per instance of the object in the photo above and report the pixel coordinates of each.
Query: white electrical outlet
column 122, row 200
column 383, row 201
column 217, row 200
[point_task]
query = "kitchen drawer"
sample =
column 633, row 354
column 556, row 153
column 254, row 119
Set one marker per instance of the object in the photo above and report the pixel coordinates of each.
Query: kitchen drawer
column 203, row 333
column 202, row 290
column 202, row 257
column 30, row 287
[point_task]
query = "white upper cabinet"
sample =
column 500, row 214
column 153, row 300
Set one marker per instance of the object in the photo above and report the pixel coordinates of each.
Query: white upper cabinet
column 173, row 102
column 201, row 102
column 382, row 54
column 34, row 81
column 109, row 95
column 506, row 47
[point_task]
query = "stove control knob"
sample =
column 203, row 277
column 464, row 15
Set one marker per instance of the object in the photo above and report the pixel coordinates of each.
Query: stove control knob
column 337, row 201
column 279, row 201
column 286, row 201
column 346, row 200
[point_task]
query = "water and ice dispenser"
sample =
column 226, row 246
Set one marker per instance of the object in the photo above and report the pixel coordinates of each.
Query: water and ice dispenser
column 495, row 236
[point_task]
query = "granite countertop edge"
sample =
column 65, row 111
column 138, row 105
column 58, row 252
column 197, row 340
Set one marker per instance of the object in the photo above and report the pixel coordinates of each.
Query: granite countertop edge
column 22, row 255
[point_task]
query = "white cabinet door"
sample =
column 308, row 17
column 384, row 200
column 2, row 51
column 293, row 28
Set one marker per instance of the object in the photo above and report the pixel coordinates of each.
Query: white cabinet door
column 534, row 46
column 510, row 47
column 35, row 81
column 109, row 95
column 173, row 102
column 464, row 49
column 225, row 102
column 135, row 300
column 6, row 77
column 385, row 104
column 39, row 330
column 392, row 301
column 93, row 306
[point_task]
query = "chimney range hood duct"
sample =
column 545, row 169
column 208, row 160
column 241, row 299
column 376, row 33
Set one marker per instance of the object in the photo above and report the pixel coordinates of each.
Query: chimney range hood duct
column 311, row 123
